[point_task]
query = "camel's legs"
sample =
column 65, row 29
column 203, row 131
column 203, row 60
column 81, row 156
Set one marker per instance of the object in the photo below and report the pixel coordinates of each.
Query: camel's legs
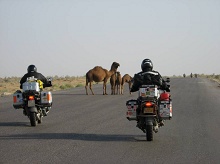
column 119, row 89
column 86, row 87
column 113, row 89
column 122, row 89
column 90, row 86
column 129, row 84
column 104, row 88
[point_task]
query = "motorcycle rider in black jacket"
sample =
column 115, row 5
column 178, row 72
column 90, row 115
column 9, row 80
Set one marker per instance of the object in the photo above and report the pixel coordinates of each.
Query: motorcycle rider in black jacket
column 32, row 71
column 148, row 77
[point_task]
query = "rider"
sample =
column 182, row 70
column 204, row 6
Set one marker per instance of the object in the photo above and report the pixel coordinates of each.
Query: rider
column 32, row 71
column 148, row 77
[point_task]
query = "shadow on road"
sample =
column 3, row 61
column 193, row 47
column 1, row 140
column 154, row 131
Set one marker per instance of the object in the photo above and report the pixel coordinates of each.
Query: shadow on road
column 14, row 124
column 73, row 136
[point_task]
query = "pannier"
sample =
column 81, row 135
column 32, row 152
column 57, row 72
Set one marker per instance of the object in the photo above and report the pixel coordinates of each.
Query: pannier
column 132, row 106
column 18, row 100
column 165, row 106
column 46, row 98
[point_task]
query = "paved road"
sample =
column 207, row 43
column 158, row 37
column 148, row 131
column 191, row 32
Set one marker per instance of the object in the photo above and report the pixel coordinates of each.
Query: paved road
column 93, row 129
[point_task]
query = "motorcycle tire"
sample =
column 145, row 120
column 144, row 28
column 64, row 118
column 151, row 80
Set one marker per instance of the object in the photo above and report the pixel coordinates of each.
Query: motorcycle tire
column 149, row 132
column 33, row 118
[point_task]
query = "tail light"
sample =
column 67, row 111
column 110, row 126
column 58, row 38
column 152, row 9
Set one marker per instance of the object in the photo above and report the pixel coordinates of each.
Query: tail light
column 31, row 97
column 14, row 99
column 148, row 104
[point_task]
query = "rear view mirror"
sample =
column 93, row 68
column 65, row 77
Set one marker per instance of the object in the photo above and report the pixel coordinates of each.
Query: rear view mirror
column 168, row 80
column 49, row 78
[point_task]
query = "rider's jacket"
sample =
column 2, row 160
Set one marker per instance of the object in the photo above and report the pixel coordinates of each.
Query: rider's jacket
column 148, row 78
column 36, row 75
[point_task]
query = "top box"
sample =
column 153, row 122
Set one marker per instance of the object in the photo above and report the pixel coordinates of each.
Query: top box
column 148, row 91
column 30, row 86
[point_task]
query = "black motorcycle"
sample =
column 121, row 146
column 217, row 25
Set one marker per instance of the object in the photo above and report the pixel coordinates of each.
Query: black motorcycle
column 152, row 107
column 35, row 102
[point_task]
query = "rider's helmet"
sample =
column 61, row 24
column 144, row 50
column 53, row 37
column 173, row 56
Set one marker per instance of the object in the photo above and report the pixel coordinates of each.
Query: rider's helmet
column 146, row 65
column 31, row 68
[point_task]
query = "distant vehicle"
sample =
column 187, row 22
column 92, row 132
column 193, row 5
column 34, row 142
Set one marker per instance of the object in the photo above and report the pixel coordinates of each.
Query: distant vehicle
column 184, row 75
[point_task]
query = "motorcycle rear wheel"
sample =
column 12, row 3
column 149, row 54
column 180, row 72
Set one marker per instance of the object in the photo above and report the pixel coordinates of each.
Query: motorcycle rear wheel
column 33, row 119
column 149, row 132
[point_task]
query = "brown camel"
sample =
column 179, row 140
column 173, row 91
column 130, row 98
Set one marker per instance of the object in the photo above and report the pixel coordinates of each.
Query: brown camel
column 99, row 74
column 115, row 81
column 128, row 79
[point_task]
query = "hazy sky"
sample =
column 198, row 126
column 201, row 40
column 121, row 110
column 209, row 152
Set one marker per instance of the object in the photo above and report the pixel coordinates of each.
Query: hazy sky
column 69, row 37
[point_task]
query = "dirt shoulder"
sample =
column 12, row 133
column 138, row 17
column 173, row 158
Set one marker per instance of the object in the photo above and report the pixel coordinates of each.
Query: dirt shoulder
column 9, row 85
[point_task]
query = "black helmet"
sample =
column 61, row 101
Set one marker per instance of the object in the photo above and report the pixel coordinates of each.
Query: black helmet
column 147, row 65
column 31, row 68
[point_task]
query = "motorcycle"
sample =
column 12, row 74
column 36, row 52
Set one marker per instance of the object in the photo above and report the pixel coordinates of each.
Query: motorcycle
column 152, row 107
column 35, row 102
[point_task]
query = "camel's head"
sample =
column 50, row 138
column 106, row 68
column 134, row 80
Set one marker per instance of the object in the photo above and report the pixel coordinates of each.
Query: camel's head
column 115, row 65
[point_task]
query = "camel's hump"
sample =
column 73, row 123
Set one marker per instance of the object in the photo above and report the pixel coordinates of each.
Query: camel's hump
column 97, row 67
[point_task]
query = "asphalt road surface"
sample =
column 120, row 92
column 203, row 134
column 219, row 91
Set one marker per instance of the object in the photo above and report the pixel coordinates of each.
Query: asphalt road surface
column 83, row 129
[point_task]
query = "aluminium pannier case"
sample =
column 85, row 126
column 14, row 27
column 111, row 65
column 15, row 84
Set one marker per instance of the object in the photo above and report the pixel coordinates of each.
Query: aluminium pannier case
column 165, row 106
column 165, row 109
column 46, row 98
column 132, row 106
column 18, row 100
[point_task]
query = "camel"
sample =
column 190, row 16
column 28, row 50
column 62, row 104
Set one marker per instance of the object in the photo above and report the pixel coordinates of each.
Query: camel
column 115, row 82
column 99, row 74
column 128, row 79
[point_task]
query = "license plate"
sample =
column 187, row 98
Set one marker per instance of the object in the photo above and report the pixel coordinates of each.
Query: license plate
column 31, row 103
column 148, row 110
